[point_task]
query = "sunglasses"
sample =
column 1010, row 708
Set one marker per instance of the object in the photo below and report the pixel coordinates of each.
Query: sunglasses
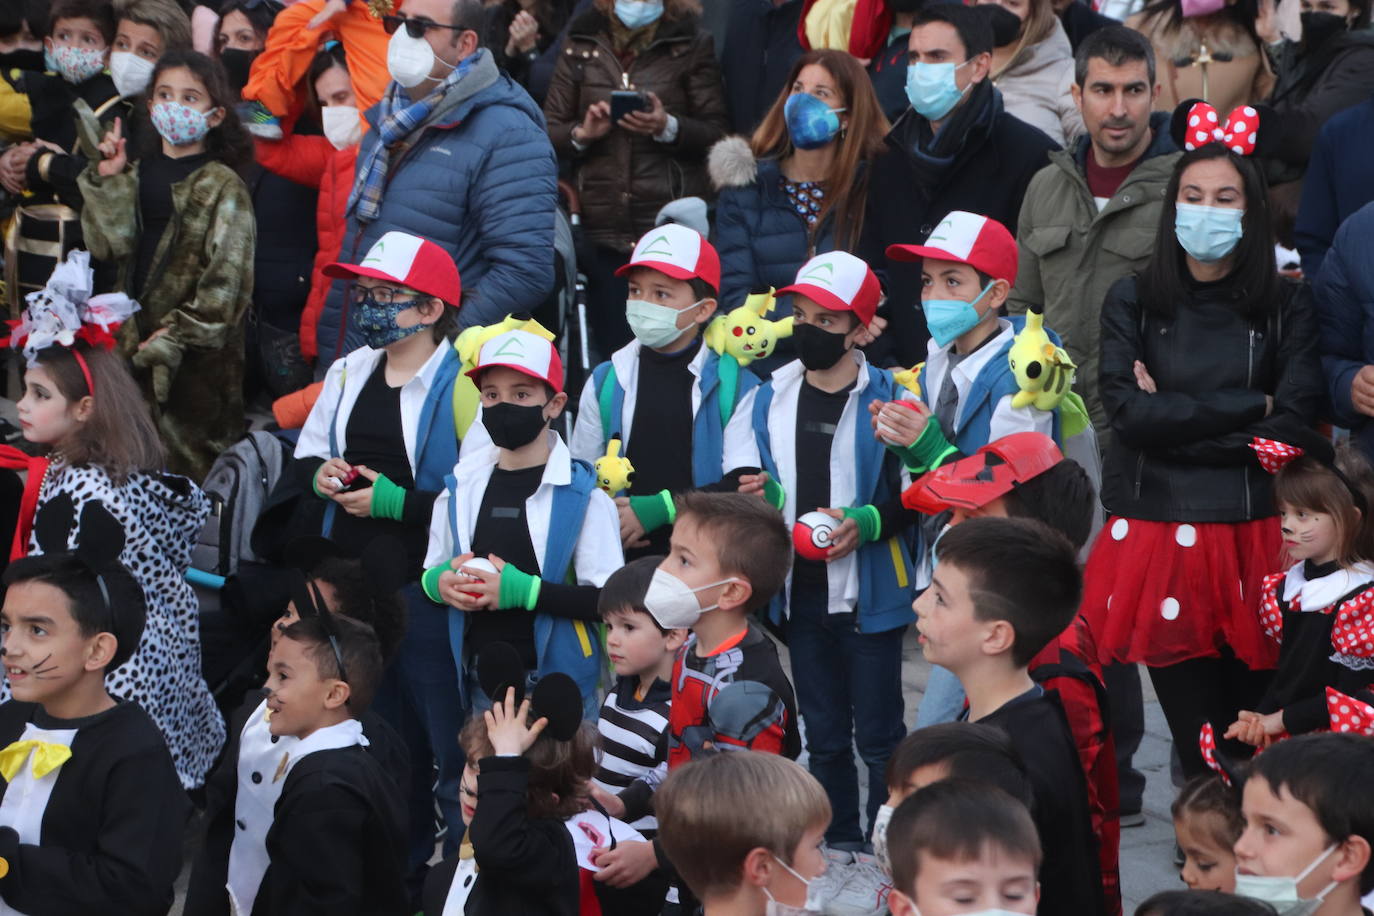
column 416, row 28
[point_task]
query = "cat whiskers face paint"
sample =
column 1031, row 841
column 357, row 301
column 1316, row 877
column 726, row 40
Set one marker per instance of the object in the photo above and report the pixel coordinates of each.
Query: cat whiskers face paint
column 47, row 673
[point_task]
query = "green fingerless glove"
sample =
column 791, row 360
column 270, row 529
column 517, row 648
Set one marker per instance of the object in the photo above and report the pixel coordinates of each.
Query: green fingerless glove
column 518, row 589
column 429, row 581
column 774, row 494
column 655, row 510
column 388, row 499
column 928, row 451
column 315, row 483
column 869, row 521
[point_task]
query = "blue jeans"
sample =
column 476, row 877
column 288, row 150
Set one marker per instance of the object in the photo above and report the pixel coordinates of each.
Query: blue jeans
column 419, row 696
column 849, row 692
column 943, row 699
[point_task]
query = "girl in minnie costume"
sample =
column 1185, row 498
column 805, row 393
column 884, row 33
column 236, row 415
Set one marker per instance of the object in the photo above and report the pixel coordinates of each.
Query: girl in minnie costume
column 1321, row 610
column 82, row 408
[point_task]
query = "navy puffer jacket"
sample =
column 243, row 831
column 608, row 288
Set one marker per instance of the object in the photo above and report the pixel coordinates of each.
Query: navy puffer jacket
column 480, row 180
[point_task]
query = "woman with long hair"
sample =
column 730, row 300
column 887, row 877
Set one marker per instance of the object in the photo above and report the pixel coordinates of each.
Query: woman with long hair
column 1207, row 348
column 630, row 161
column 1032, row 63
column 1214, row 56
column 799, row 186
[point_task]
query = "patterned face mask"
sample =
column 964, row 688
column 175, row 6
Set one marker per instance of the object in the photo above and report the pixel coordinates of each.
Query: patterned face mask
column 179, row 124
column 75, row 65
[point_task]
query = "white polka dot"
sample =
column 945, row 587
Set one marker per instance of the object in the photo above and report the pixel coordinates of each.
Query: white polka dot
column 1345, row 710
column 1120, row 528
column 1202, row 136
column 1168, row 608
column 1212, row 116
column 1252, row 137
column 1109, row 602
column 1238, row 149
column 1192, row 122
column 1237, row 127
column 1250, row 112
column 1186, row 535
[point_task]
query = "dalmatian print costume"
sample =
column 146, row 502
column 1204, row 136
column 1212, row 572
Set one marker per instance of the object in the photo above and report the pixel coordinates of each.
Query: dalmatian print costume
column 162, row 516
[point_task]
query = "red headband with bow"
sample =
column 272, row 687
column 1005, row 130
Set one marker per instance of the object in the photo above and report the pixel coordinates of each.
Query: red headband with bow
column 1238, row 133
column 1273, row 455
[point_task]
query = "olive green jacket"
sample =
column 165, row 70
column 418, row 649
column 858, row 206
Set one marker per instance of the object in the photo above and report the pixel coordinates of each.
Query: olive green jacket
column 1071, row 254
column 197, row 291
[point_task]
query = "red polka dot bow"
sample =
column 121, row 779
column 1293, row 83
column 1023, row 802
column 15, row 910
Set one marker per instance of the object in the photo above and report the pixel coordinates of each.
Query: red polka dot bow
column 1207, row 741
column 1273, row 455
column 1238, row 133
column 1349, row 714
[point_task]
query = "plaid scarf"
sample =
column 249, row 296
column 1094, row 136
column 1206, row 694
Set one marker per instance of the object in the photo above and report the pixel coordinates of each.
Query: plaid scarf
column 394, row 124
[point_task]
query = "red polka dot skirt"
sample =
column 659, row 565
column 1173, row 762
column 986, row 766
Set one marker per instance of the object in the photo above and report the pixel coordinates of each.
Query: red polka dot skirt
column 1164, row 592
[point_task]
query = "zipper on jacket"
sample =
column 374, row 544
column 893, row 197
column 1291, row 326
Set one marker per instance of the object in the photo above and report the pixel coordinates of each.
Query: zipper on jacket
column 1139, row 472
column 1250, row 361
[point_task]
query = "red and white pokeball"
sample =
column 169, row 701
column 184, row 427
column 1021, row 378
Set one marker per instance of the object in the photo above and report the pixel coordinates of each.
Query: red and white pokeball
column 813, row 533
column 477, row 564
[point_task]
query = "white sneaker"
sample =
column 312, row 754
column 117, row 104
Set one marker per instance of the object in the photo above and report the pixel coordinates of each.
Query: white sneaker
column 838, row 863
column 864, row 893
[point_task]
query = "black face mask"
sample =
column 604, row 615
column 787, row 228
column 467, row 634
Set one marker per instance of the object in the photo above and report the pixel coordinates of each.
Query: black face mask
column 23, row 59
column 513, row 425
column 816, row 348
column 237, row 62
column 905, row 6
column 1006, row 25
column 1318, row 28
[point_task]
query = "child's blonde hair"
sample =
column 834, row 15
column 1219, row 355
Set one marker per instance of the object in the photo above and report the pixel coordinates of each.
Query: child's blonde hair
column 560, row 771
column 712, row 812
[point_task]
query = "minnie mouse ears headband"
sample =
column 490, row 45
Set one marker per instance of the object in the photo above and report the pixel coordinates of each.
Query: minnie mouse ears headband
column 64, row 311
column 1274, row 456
column 100, row 542
column 1196, row 124
column 556, row 696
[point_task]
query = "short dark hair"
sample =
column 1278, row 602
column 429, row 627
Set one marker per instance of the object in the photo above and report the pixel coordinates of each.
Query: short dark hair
column 1202, row 903
column 751, row 539
column 1117, row 45
column 957, row 819
column 124, row 616
column 1164, row 282
column 974, row 32
column 357, row 645
column 1333, row 775
column 626, row 587
column 971, row 750
column 357, row 600
column 1061, row 497
column 1021, row 571
column 19, row 13
column 99, row 12
column 470, row 16
column 701, row 289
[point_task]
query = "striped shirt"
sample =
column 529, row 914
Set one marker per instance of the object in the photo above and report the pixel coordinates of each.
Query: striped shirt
column 634, row 748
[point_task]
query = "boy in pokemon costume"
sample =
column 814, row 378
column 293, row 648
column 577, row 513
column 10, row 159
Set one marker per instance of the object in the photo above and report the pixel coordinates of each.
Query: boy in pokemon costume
column 666, row 394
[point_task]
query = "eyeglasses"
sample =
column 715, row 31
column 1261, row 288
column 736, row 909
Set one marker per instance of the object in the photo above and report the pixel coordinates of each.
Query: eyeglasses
column 416, row 28
column 382, row 295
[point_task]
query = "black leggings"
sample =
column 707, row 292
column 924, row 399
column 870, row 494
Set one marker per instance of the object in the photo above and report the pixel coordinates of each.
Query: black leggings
column 1206, row 689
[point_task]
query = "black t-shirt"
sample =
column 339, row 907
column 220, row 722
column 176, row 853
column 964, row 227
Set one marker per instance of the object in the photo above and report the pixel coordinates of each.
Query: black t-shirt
column 156, row 175
column 818, row 414
column 1070, row 876
column 502, row 529
column 661, row 442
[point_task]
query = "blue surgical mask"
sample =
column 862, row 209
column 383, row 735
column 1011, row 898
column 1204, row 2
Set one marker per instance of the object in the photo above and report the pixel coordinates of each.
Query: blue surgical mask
column 810, row 122
column 932, row 90
column 636, row 14
column 949, row 319
column 1208, row 233
column 378, row 322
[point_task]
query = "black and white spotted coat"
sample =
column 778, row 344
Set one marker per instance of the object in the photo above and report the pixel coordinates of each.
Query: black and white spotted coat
column 162, row 515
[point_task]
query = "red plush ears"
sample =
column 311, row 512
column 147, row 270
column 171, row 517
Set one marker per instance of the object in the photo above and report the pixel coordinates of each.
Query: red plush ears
column 1196, row 124
column 1273, row 455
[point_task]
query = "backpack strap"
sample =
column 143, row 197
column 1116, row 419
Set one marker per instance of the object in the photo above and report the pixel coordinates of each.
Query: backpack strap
column 727, row 380
column 1070, row 666
column 605, row 396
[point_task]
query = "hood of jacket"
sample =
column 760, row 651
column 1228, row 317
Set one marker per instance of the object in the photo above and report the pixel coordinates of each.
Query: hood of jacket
column 731, row 164
column 484, row 86
column 1054, row 49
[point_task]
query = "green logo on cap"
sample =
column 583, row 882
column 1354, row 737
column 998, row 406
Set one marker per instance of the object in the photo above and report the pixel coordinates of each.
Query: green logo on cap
column 938, row 234
column 375, row 254
column 651, row 248
column 823, row 273
column 512, row 346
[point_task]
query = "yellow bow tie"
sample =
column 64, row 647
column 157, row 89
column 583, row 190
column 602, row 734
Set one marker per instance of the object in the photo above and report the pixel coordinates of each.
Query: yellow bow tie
column 47, row 756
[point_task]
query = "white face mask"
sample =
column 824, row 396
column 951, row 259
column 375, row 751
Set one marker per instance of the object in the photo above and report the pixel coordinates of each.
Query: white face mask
column 654, row 325
column 979, row 913
column 130, row 73
column 812, row 906
column 341, row 125
column 1281, row 892
column 410, row 60
column 673, row 603
column 880, row 822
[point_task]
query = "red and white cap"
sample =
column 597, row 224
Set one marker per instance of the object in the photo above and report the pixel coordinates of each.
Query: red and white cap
column 677, row 251
column 840, row 282
column 410, row 261
column 978, row 241
column 524, row 352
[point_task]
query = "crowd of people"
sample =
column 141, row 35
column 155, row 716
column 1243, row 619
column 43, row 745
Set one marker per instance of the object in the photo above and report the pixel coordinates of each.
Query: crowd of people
column 590, row 353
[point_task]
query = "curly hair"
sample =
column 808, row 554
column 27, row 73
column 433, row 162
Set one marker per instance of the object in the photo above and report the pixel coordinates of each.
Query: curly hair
column 228, row 141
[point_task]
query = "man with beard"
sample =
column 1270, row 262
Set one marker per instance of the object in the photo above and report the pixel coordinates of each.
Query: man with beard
column 1088, row 219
